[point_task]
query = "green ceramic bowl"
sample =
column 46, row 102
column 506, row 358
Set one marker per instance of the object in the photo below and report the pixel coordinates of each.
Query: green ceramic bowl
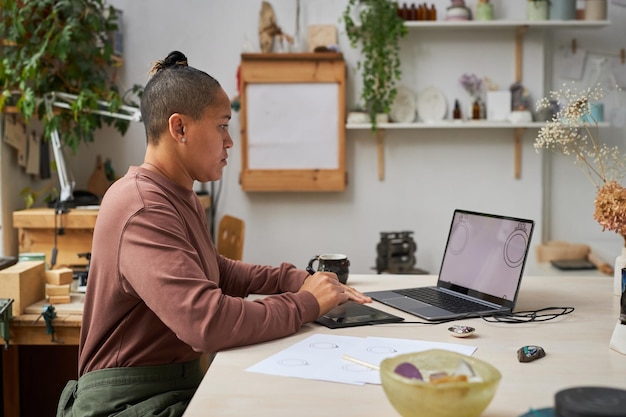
column 416, row 398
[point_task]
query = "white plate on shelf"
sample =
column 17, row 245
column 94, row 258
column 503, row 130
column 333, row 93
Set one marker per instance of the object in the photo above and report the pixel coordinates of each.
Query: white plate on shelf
column 431, row 105
column 404, row 106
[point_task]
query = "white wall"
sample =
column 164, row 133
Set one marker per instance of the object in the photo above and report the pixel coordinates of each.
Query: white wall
column 428, row 172
column 572, row 202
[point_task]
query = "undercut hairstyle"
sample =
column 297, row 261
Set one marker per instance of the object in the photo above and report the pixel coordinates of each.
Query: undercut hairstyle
column 175, row 87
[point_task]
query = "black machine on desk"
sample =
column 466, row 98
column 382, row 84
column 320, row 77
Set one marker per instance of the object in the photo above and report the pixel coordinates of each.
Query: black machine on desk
column 396, row 253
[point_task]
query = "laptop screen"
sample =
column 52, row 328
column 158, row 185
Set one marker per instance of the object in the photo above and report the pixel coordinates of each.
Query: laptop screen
column 485, row 256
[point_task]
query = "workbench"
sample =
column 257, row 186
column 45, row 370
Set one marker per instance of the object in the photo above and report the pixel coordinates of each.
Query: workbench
column 37, row 227
column 29, row 329
column 74, row 231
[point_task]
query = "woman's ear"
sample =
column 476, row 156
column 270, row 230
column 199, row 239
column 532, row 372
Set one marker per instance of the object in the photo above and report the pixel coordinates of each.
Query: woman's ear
column 176, row 126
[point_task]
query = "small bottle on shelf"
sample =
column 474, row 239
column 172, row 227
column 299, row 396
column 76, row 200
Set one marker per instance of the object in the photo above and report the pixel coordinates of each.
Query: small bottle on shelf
column 404, row 13
column 476, row 109
column 456, row 113
column 432, row 13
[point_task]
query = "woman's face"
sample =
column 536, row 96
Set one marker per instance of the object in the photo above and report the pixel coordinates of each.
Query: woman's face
column 207, row 141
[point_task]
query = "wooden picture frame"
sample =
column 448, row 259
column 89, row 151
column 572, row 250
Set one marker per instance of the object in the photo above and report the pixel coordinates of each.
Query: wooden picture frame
column 293, row 122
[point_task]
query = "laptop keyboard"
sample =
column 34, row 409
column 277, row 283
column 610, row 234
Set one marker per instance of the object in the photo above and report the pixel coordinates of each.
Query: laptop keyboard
column 443, row 300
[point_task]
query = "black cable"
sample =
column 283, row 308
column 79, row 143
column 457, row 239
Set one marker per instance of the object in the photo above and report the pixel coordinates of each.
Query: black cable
column 517, row 317
column 443, row 321
column 543, row 314
column 55, row 250
column 59, row 209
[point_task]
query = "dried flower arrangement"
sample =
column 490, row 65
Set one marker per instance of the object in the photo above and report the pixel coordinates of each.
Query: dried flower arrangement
column 472, row 84
column 574, row 133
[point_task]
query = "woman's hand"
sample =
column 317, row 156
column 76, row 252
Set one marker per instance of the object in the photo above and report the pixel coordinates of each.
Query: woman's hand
column 329, row 292
column 356, row 295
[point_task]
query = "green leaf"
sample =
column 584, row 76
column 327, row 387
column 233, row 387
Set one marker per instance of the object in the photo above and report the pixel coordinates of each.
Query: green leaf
column 378, row 35
column 61, row 45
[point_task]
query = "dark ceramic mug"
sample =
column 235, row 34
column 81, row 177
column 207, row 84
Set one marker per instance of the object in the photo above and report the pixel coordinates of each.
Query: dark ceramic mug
column 331, row 262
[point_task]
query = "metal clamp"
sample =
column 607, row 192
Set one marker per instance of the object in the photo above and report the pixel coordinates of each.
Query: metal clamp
column 6, row 315
column 48, row 313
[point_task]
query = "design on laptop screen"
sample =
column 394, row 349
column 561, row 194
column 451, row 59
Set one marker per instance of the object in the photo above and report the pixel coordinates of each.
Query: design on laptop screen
column 486, row 254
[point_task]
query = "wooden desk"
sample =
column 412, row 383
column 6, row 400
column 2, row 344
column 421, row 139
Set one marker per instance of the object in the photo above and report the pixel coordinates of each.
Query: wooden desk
column 577, row 348
column 24, row 331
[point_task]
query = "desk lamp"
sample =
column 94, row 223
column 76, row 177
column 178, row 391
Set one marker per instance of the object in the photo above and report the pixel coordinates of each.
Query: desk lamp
column 64, row 101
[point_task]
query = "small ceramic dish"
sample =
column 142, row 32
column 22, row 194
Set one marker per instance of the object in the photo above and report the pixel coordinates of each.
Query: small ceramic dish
column 461, row 331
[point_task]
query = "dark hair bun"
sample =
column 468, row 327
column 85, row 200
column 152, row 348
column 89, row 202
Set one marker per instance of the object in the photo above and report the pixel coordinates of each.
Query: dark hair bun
column 173, row 60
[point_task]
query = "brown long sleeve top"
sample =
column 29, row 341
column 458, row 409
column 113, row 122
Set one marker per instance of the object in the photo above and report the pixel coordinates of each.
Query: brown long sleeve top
column 158, row 292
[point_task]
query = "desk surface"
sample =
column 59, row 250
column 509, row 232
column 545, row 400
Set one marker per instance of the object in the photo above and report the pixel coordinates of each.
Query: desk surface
column 577, row 348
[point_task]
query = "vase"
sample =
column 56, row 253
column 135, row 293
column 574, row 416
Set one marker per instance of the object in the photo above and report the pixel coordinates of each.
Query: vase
column 484, row 11
column 382, row 118
column 562, row 9
column 595, row 9
column 537, row 10
column 620, row 262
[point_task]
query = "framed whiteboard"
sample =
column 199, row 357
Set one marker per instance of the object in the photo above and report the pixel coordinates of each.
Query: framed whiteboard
column 292, row 122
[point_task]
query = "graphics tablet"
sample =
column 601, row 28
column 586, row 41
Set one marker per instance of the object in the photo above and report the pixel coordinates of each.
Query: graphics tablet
column 351, row 314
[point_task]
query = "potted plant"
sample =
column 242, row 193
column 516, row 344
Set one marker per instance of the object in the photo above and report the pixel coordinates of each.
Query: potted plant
column 377, row 28
column 60, row 46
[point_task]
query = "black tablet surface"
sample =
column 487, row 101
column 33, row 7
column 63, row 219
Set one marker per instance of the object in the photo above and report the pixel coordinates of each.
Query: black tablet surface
column 351, row 314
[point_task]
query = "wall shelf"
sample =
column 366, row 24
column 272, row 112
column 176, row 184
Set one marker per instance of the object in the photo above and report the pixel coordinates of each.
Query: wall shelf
column 469, row 124
column 518, row 132
column 520, row 27
column 507, row 24
column 466, row 124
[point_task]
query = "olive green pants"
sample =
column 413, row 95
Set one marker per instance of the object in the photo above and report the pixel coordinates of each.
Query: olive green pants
column 163, row 391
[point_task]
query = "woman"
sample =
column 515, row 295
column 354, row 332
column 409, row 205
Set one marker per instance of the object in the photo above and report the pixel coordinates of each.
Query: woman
column 159, row 295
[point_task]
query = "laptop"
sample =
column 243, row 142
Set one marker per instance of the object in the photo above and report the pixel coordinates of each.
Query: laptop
column 480, row 273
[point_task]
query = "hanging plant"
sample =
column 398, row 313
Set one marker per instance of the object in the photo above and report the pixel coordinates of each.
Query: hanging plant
column 377, row 28
column 64, row 46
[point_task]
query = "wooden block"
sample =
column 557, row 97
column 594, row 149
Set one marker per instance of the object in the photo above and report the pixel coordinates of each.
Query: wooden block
column 52, row 290
column 59, row 299
column 60, row 276
column 75, row 307
column 321, row 35
column 24, row 283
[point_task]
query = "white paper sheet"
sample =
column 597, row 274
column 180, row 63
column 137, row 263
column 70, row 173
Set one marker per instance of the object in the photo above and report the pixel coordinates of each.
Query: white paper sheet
column 293, row 126
column 320, row 357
